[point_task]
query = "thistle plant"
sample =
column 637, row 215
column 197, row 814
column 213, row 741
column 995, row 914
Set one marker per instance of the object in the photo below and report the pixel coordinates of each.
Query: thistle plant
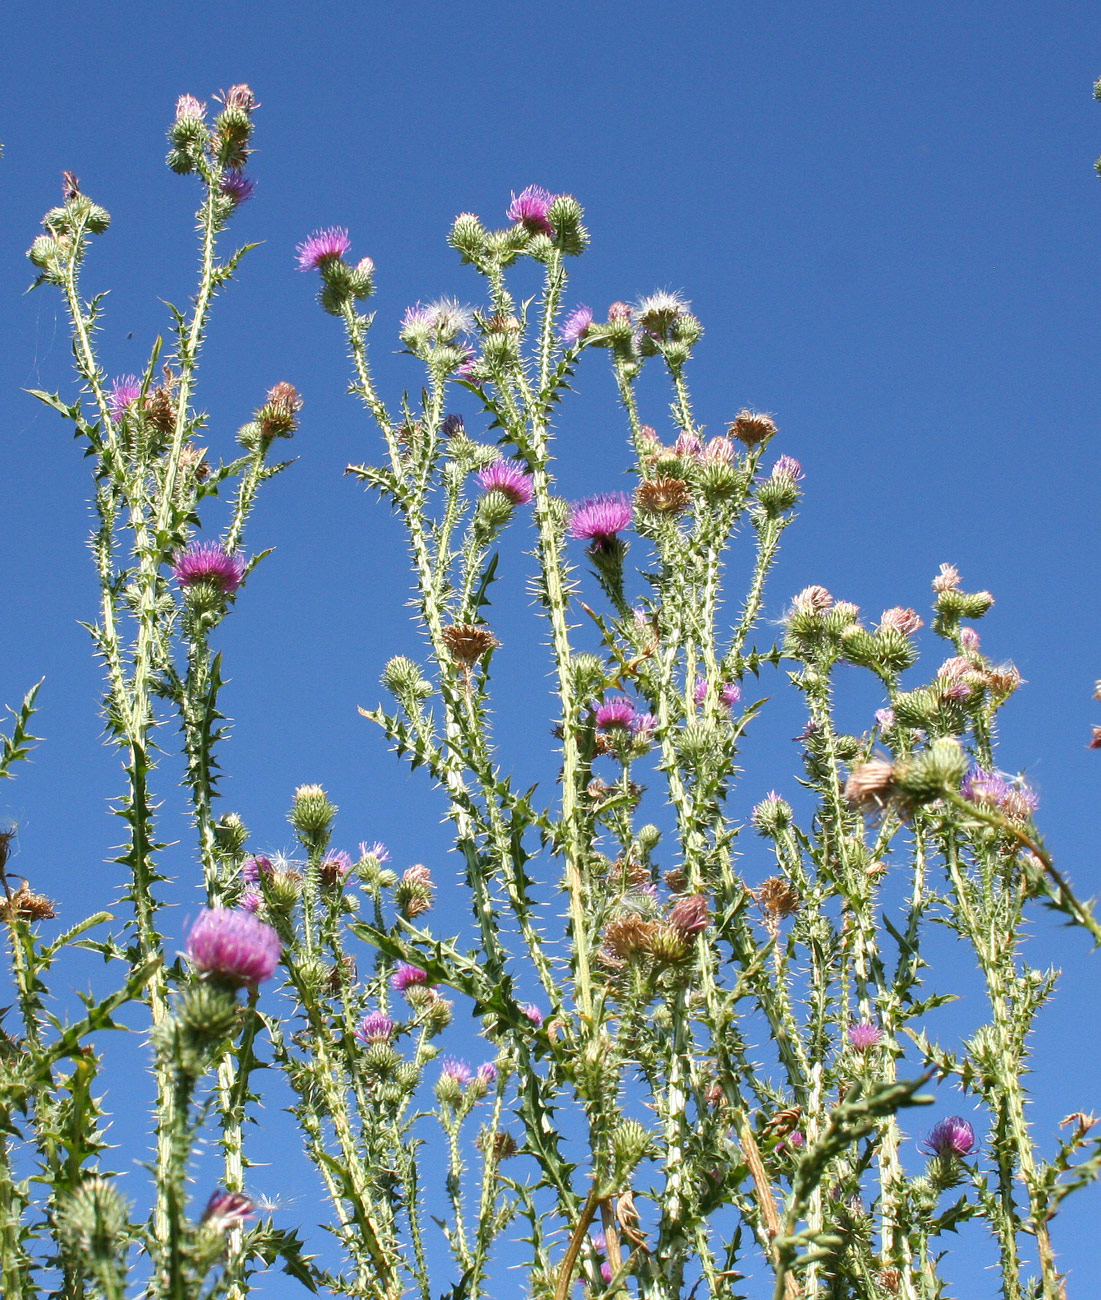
column 691, row 1073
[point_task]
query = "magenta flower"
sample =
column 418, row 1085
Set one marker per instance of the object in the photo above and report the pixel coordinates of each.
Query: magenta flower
column 487, row 1073
column 253, row 868
column 599, row 518
column 951, row 1137
column 983, row 787
column 375, row 1028
column 969, row 639
column 405, row 976
column 234, row 946
column 864, row 1035
column 377, row 850
column 322, row 246
column 237, row 186
column 885, row 718
column 452, row 1068
column 124, row 393
column 575, row 326
column 250, row 901
column 336, row 862
column 188, row 108
column 533, row 1014
column 642, row 726
column 611, row 714
column 209, row 562
column 227, row 1210
column 530, row 209
column 507, row 476
column 729, row 694
column 787, row 467
column 606, row 1271
column 688, row 445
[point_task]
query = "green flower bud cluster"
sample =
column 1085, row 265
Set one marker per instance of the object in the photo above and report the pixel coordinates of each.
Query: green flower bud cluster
column 404, row 680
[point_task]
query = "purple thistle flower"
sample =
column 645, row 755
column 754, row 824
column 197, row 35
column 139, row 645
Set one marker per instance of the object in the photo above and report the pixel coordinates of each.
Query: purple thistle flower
column 864, row 1036
column 613, row 713
column 124, row 393
column 227, row 1210
column 234, row 946
column 452, row 1068
column 253, row 868
column 600, row 1242
column 250, row 901
column 969, row 639
column 452, row 425
column 237, row 186
column 953, row 1136
column 487, row 1073
column 533, row 1014
column 188, row 108
column 405, row 976
column 885, row 718
column 209, row 562
column 337, row 862
column 530, row 209
column 467, row 366
column 787, row 467
column 322, row 246
column 606, row 1271
column 642, row 726
column 688, row 445
column 729, row 694
column 507, row 476
column 377, row 850
column 375, row 1028
column 575, row 326
column 983, row 787
column 599, row 518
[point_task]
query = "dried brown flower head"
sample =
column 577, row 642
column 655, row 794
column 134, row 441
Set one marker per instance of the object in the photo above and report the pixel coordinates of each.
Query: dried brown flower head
column 343, row 974
column 468, row 642
column 871, row 786
column 626, row 937
column 504, row 1144
column 27, row 905
column 663, row 496
column 677, row 880
column 752, row 427
column 1002, row 680
column 890, row 1279
column 160, row 410
column 777, row 897
column 192, row 460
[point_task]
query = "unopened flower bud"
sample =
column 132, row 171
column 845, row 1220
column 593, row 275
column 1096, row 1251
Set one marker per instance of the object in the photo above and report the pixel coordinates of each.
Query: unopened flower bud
column 311, row 812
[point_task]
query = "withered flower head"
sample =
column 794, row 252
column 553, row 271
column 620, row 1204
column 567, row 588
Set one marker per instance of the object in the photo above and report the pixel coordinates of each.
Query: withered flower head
column 890, row 1279
column 777, row 897
column 812, row 598
column 663, row 496
column 28, row 905
column 503, row 1144
column 676, row 879
column 468, row 642
column 871, row 785
column 625, row 937
column 414, row 891
column 192, row 460
column 160, row 410
column 1002, row 680
column 752, row 427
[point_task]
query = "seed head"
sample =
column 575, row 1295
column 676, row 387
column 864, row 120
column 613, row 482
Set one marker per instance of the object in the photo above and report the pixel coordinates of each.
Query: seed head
column 468, row 642
column 690, row 915
column 906, row 621
column 777, row 897
column 663, row 496
column 871, row 786
column 28, row 905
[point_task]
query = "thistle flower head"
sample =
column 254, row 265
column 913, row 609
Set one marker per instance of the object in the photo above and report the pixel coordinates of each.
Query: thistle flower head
column 953, row 1136
column 227, row 1210
column 335, row 865
column 124, row 392
column 752, row 428
column 613, row 714
column 534, row 1014
column 253, row 868
column 688, row 446
column 599, row 518
column 530, row 209
column 406, row 977
column 906, row 621
column 375, row 1028
column 659, row 310
column 864, row 1035
column 813, row 599
column 452, row 1068
column 947, row 579
column 575, row 326
column 690, row 915
column 236, row 185
column 322, row 246
column 787, row 467
column 188, row 108
column 885, row 719
column 377, row 850
column 209, row 562
column 233, row 946
column 507, row 476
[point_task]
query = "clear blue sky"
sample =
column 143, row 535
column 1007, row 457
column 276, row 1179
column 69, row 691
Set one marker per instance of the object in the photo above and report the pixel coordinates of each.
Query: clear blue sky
column 886, row 216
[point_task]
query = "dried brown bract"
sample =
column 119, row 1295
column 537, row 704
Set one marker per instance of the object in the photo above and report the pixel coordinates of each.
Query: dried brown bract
column 468, row 642
column 663, row 496
column 752, row 428
column 27, row 905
